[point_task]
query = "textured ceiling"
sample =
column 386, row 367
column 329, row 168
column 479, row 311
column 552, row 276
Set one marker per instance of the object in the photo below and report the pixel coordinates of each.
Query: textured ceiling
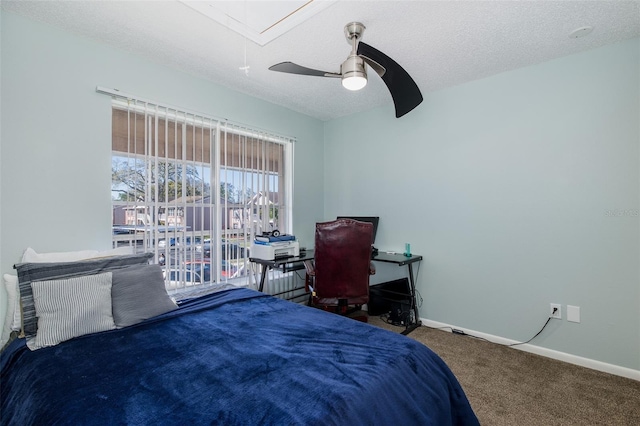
column 440, row 43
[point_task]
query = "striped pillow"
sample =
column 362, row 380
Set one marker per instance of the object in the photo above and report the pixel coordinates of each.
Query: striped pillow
column 32, row 272
column 71, row 307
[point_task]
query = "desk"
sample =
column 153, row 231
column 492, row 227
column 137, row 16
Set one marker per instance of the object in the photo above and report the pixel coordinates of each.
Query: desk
column 296, row 263
column 287, row 264
column 408, row 261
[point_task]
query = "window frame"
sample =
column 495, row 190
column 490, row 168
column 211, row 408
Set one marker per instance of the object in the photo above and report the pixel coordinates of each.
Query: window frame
column 219, row 133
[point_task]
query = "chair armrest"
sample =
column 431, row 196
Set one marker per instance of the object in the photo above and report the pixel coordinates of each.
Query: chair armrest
column 372, row 268
column 309, row 279
column 310, row 268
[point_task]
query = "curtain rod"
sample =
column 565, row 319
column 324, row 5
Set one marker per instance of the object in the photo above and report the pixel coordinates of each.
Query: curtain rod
column 118, row 94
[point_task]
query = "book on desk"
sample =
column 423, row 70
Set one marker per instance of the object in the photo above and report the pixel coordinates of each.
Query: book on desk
column 274, row 238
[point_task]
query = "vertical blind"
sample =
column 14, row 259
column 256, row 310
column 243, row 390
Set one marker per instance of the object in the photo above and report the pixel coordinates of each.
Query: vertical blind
column 195, row 190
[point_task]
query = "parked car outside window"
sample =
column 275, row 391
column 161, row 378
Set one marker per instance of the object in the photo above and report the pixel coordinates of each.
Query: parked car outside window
column 229, row 250
column 203, row 268
column 176, row 277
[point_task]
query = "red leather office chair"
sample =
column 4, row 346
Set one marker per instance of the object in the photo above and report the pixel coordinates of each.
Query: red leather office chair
column 339, row 273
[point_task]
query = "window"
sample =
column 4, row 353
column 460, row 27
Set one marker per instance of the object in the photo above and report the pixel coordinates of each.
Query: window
column 195, row 190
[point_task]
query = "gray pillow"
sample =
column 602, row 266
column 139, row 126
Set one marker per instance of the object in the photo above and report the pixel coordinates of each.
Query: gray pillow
column 138, row 292
column 31, row 272
column 71, row 307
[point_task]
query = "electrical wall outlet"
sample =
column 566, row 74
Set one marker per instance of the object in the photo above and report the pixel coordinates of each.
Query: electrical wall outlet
column 555, row 311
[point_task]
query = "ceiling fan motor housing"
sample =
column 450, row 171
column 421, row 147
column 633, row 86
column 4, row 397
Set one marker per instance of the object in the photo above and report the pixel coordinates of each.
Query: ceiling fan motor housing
column 354, row 74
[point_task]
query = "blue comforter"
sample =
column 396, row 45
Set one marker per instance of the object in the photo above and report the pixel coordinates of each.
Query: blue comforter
column 237, row 357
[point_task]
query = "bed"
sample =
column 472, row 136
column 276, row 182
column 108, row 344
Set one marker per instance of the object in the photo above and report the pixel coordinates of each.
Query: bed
column 232, row 357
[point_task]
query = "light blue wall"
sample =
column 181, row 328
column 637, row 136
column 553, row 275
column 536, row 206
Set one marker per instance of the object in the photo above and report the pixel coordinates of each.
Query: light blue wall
column 56, row 136
column 3, row 293
column 505, row 185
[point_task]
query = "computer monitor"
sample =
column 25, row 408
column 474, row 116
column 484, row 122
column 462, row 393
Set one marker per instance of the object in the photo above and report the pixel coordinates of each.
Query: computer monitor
column 372, row 219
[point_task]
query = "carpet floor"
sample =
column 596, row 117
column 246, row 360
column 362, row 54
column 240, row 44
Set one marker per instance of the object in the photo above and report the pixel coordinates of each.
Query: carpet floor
column 506, row 386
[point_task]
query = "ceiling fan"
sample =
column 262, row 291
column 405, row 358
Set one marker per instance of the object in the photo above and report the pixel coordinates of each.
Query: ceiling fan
column 404, row 91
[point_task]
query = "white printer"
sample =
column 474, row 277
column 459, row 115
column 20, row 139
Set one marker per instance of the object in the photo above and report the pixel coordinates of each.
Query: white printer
column 275, row 250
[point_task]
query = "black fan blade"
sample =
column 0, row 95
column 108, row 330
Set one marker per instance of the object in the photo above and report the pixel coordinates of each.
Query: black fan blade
column 404, row 91
column 291, row 68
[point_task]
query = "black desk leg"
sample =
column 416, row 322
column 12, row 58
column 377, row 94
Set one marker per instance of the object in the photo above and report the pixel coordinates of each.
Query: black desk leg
column 263, row 276
column 414, row 306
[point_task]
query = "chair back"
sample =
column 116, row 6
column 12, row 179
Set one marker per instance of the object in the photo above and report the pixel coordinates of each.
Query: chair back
column 342, row 262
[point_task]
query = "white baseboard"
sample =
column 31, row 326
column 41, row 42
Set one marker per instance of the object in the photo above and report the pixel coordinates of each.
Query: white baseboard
column 549, row 353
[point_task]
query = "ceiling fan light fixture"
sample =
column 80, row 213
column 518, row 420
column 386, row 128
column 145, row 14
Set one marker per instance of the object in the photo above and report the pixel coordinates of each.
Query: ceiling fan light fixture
column 354, row 74
column 354, row 82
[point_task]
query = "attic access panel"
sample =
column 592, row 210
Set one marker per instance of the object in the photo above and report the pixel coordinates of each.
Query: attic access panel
column 260, row 21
